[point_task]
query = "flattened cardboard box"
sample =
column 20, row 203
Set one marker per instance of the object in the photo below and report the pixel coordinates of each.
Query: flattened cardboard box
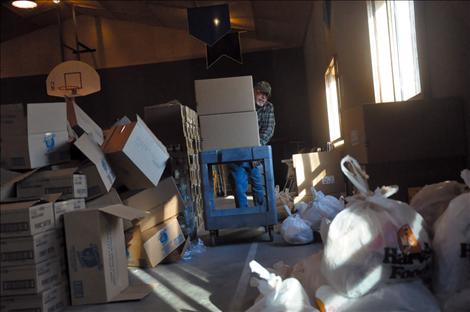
column 96, row 254
column 229, row 130
column 136, row 155
column 53, row 299
column 66, row 206
column 25, row 218
column 224, row 95
column 95, row 185
column 66, row 181
column 29, row 279
column 149, row 248
column 33, row 139
column 160, row 203
column 321, row 170
column 29, row 250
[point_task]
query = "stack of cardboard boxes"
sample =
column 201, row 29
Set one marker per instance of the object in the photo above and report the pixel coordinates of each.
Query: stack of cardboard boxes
column 178, row 128
column 227, row 113
column 38, row 204
column 33, row 259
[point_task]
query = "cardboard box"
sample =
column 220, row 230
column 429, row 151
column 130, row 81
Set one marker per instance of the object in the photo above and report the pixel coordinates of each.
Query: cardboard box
column 53, row 299
column 66, row 206
column 95, row 185
column 8, row 180
column 229, row 130
column 29, row 279
column 224, row 95
column 81, row 123
column 96, row 254
column 405, row 131
column 29, row 249
column 137, row 156
column 108, row 199
column 33, row 139
column 160, row 203
column 169, row 122
column 94, row 153
column 26, row 218
column 321, row 170
column 66, row 181
column 148, row 248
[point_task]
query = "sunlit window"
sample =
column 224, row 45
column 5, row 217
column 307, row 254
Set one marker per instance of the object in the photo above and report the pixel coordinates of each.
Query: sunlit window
column 392, row 36
column 332, row 100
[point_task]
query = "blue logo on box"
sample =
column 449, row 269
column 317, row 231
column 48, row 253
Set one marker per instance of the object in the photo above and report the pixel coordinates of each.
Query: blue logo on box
column 163, row 237
column 49, row 141
column 90, row 257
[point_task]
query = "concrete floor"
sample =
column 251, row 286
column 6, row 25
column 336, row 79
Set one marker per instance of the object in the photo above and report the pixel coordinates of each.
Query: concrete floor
column 215, row 280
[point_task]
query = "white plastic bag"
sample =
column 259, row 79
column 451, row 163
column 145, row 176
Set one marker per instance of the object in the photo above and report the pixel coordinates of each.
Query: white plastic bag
column 323, row 206
column 432, row 200
column 295, row 230
column 451, row 246
column 278, row 295
column 306, row 271
column 374, row 240
column 324, row 226
column 409, row 296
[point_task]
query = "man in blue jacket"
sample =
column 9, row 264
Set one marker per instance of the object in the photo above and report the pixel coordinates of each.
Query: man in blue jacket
column 254, row 171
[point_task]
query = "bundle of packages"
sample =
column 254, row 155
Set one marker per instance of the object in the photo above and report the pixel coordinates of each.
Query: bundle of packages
column 374, row 240
column 323, row 206
column 278, row 295
column 451, row 244
column 410, row 296
column 432, row 200
column 295, row 230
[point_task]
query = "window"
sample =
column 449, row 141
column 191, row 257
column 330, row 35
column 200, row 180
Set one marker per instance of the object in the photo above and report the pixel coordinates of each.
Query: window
column 332, row 100
column 392, row 36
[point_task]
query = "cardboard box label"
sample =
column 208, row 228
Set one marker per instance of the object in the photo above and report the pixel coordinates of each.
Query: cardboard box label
column 30, row 249
column 25, row 218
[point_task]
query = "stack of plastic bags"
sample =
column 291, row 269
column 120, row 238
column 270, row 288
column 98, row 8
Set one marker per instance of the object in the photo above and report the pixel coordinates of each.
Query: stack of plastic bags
column 375, row 252
column 451, row 244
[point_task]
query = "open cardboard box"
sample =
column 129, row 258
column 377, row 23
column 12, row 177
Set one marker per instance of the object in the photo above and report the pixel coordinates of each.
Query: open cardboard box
column 137, row 156
column 97, row 257
column 161, row 205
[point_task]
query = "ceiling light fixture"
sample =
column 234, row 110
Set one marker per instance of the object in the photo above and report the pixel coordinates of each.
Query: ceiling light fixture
column 216, row 21
column 24, row 4
column 56, row 1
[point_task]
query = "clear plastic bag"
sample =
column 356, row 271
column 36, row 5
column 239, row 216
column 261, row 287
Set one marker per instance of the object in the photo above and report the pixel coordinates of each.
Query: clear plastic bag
column 432, row 200
column 323, row 206
column 374, row 240
column 278, row 295
column 452, row 249
column 410, row 296
column 295, row 230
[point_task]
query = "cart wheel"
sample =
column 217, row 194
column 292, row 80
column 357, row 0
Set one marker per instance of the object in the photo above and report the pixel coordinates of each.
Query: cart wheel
column 270, row 233
column 213, row 237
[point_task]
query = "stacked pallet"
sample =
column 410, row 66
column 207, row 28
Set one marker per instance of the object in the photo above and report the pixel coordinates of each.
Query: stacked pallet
column 178, row 128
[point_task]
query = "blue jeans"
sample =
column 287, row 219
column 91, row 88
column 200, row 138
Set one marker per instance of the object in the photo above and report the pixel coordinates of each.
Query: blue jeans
column 240, row 173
